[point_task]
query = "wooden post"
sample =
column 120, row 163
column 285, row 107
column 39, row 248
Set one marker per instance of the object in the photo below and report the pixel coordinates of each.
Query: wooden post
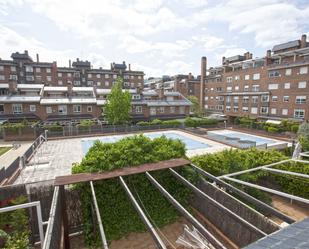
column 65, row 225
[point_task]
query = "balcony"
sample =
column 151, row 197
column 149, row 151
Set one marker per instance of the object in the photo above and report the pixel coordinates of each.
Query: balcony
column 286, row 65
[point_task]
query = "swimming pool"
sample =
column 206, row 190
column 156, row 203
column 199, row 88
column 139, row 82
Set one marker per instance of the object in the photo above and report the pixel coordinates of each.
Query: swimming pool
column 242, row 140
column 190, row 143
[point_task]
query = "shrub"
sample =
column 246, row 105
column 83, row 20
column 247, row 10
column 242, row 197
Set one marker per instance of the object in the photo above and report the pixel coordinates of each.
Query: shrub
column 294, row 128
column 303, row 135
column 190, row 122
column 53, row 127
column 156, row 122
column 118, row 214
column 143, row 123
column 172, row 122
column 272, row 129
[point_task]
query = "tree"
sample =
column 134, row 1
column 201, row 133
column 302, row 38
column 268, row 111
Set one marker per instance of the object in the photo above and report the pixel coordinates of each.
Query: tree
column 303, row 135
column 195, row 108
column 118, row 105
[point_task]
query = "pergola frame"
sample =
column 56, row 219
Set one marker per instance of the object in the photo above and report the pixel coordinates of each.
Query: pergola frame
column 169, row 164
column 268, row 168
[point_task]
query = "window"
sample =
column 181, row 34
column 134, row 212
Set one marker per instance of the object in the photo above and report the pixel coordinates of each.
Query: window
column 229, row 89
column 247, row 77
column 139, row 77
column 236, row 88
column 89, row 108
column 285, row 98
column 299, row 113
column 245, row 99
column 287, row 85
column 76, row 74
column 1, row 109
column 246, row 88
column 37, row 70
column 48, row 78
column 13, row 77
column 59, row 74
column 136, row 96
column 264, row 110
column 62, row 109
column 138, row 109
column 48, row 70
column 132, row 77
column 32, row 108
column 255, row 88
column 181, row 110
column 76, row 83
column 60, row 82
column 115, row 76
column 49, row 109
column 13, row 69
column 245, row 109
column 284, row 112
column 17, row 108
column 303, row 70
column 77, row 108
column 255, row 99
column 161, row 109
column 274, row 98
column 98, row 83
column 265, row 98
column 69, row 75
column 256, row 76
column 272, row 86
column 106, row 83
column 229, row 79
column 106, row 76
column 126, row 83
column 2, row 77
column 89, row 75
column 29, row 69
column 300, row 99
column 172, row 109
column 254, row 110
column 228, row 108
column 235, row 109
column 273, row 111
column 153, row 111
column 302, row 84
column 273, row 74
column 235, row 99
column 228, row 99
column 29, row 78
column 99, row 76
column 288, row 71
column 237, row 77
column 89, row 83
column 1, row 68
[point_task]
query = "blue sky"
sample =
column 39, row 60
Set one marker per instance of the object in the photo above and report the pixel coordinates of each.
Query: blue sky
column 157, row 36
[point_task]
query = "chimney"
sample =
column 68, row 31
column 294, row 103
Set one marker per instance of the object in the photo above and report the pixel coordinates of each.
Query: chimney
column 70, row 89
column 303, row 41
column 190, row 77
column 223, row 60
column 37, row 58
column 77, row 59
column 250, row 56
column 268, row 53
column 203, row 79
column 70, row 65
column 26, row 52
column 129, row 67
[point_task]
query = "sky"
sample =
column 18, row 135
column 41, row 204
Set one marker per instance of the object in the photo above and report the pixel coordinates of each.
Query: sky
column 160, row 37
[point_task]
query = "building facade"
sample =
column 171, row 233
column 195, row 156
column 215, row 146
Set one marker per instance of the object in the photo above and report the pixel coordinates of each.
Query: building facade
column 43, row 91
column 272, row 87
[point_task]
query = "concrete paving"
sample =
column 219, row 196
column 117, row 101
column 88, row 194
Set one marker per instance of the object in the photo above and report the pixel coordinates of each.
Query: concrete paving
column 7, row 158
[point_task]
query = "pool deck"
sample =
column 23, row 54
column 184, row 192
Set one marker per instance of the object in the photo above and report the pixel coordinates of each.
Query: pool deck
column 55, row 157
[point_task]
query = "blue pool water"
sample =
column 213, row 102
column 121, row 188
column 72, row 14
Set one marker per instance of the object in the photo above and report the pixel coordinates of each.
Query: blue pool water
column 258, row 140
column 191, row 144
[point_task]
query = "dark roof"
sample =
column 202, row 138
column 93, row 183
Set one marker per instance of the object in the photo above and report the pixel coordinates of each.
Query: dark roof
column 293, row 236
column 79, row 63
column 68, row 117
column 21, row 56
column 121, row 66
column 286, row 45
column 8, row 62
column 18, row 117
column 235, row 58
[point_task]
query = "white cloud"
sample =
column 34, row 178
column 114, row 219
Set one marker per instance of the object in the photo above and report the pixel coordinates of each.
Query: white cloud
column 209, row 42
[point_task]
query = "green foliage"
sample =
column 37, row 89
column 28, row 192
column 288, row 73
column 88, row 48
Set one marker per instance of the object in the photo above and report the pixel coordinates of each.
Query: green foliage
column 15, row 223
column 118, row 215
column 294, row 128
column 173, row 122
column 118, row 105
column 229, row 161
column 303, row 136
column 195, row 122
column 195, row 108
column 156, row 122
column 247, row 122
column 272, row 129
column 143, row 123
column 14, row 127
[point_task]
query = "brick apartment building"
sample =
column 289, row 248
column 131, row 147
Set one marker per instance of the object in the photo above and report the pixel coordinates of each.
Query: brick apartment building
column 275, row 86
column 43, row 91
column 272, row 87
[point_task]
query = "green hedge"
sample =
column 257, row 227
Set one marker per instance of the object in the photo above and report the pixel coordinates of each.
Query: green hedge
column 118, row 215
column 173, row 122
column 195, row 122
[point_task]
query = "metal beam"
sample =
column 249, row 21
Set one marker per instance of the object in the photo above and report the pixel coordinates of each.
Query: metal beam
column 213, row 240
column 217, row 204
column 276, row 192
column 253, row 169
column 150, row 227
column 279, row 171
column 244, row 195
column 300, row 161
column 103, row 238
column 35, row 204
column 65, row 223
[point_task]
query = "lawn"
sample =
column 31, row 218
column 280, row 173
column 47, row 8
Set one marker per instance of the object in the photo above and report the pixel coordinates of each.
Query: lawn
column 4, row 149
